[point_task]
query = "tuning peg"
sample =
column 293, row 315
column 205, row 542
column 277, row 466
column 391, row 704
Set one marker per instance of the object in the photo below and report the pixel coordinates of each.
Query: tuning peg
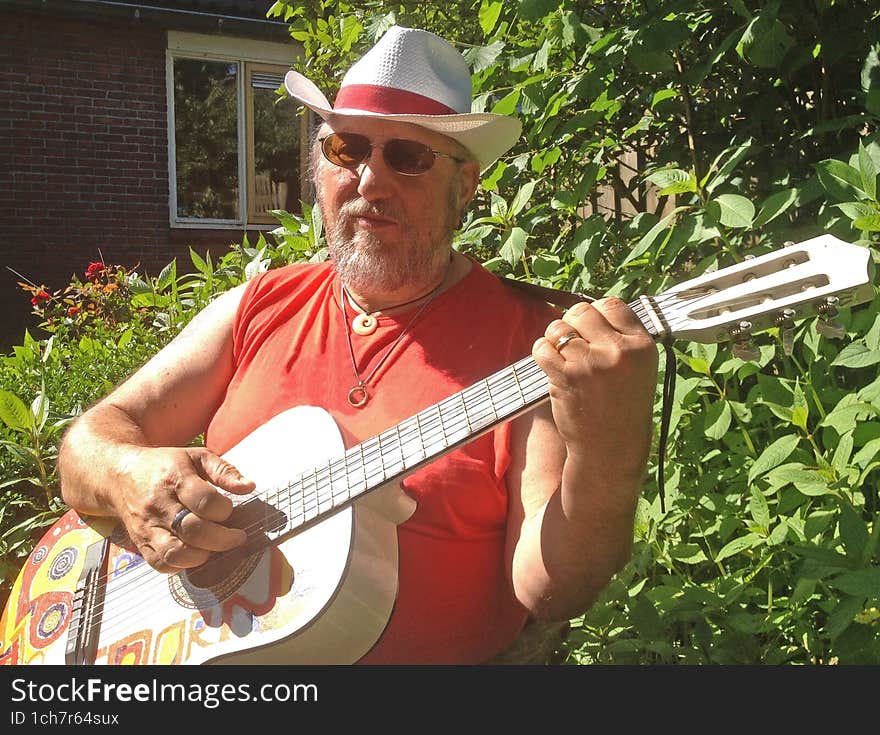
column 742, row 347
column 828, row 326
column 786, row 330
column 745, row 351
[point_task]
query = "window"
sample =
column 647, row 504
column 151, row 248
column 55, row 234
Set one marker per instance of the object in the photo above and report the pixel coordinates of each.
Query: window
column 235, row 151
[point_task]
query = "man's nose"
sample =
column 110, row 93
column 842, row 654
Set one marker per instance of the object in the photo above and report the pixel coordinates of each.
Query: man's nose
column 375, row 177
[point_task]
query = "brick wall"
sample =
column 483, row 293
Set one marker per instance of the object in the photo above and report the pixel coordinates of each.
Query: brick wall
column 83, row 155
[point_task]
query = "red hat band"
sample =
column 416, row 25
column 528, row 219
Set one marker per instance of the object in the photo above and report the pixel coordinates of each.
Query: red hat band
column 388, row 101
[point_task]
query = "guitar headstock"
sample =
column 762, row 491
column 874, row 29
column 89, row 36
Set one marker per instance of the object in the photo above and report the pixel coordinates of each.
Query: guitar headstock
column 802, row 280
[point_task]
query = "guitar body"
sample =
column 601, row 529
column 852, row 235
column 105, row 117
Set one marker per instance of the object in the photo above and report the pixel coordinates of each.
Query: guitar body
column 321, row 596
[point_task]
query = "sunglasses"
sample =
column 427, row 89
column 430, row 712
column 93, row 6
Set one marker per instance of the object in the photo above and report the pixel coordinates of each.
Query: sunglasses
column 407, row 157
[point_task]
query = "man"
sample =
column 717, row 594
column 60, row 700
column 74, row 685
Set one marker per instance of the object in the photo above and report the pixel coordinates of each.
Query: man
column 530, row 519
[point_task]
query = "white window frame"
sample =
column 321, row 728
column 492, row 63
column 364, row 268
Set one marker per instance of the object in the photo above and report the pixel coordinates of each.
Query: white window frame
column 229, row 50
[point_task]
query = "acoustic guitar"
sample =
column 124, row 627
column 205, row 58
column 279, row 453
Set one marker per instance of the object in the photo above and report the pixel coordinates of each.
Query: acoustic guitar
column 317, row 580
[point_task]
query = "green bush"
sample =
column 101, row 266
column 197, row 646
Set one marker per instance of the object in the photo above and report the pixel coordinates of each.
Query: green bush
column 751, row 124
column 93, row 334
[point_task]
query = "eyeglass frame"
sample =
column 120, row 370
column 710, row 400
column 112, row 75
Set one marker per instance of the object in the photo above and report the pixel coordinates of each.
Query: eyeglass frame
column 381, row 146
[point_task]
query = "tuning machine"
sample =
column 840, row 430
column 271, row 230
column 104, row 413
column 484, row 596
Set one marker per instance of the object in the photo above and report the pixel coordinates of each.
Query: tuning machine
column 785, row 322
column 742, row 347
column 828, row 326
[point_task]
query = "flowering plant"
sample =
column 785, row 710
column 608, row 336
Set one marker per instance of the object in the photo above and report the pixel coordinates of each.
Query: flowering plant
column 103, row 294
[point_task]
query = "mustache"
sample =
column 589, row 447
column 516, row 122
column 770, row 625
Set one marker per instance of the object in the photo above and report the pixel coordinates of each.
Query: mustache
column 360, row 208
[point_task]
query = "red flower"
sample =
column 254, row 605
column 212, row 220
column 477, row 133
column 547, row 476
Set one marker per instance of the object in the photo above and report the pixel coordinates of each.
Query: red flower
column 40, row 297
column 73, row 311
column 94, row 271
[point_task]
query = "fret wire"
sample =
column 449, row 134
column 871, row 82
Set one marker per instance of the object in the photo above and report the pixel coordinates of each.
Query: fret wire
column 502, row 393
column 464, row 408
column 442, row 425
column 506, row 390
column 363, row 466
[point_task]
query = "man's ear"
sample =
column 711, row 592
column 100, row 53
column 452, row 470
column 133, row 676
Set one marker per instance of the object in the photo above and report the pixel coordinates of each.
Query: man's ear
column 470, row 180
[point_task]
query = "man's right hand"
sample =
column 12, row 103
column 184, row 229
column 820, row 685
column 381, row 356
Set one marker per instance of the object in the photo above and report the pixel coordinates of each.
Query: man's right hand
column 161, row 482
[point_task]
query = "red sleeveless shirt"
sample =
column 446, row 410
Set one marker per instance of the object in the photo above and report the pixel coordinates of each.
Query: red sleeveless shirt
column 455, row 603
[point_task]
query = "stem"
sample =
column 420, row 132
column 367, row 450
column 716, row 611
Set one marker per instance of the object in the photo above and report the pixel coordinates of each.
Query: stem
column 689, row 118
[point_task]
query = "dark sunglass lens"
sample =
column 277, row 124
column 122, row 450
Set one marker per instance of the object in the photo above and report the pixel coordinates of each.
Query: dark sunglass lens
column 408, row 156
column 346, row 149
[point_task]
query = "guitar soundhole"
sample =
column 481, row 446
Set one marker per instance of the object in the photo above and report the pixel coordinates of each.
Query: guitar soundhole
column 220, row 576
column 215, row 580
column 231, row 567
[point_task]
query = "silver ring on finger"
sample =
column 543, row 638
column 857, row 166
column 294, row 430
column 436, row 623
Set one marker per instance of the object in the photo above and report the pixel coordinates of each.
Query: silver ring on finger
column 178, row 519
column 564, row 340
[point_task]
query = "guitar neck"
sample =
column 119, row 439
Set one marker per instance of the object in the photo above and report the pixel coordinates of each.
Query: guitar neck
column 800, row 280
column 404, row 448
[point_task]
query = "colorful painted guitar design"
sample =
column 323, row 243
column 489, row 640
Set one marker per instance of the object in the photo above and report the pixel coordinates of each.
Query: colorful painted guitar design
column 317, row 580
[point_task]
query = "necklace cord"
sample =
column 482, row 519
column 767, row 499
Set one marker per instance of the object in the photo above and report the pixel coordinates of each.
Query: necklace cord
column 361, row 388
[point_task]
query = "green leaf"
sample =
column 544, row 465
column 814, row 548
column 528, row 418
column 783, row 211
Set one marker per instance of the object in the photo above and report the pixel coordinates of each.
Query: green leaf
column 47, row 350
column 845, row 415
column 759, row 510
column 840, row 180
column 868, row 223
column 535, row 9
column 808, row 482
column 14, row 413
column 688, row 553
column 842, row 453
column 673, row 181
column 514, row 246
column 870, row 74
column 643, row 245
column 521, row 198
column 774, row 205
column 800, row 408
column 749, row 541
column 717, row 420
column 868, row 171
column 856, row 355
column 843, row 616
column 765, row 42
column 856, row 210
column 507, row 104
column 40, row 409
column 489, row 14
column 167, row 276
column 853, row 532
column 773, row 456
column 731, row 158
column 199, row 263
column 733, row 210
column 481, row 58
column 662, row 95
column 861, row 582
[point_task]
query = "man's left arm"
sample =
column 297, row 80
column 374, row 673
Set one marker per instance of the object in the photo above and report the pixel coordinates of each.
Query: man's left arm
column 578, row 462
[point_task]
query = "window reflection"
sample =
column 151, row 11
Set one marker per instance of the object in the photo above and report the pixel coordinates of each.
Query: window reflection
column 206, row 138
column 276, row 147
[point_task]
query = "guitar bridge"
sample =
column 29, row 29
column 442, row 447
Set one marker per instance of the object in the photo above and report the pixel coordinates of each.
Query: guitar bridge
column 88, row 604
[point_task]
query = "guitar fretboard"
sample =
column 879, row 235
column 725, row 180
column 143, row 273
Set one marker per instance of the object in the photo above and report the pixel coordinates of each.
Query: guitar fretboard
column 412, row 443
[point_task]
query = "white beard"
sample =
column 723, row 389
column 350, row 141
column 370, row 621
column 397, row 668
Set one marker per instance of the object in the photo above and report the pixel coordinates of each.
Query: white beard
column 367, row 265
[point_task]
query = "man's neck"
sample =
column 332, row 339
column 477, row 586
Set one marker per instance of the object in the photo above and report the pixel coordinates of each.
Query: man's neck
column 391, row 301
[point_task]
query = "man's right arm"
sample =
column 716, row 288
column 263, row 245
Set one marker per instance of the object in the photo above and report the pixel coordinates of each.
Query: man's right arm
column 127, row 456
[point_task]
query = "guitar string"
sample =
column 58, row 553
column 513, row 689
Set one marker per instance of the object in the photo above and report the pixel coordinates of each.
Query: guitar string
column 343, row 464
column 364, row 462
column 425, row 438
column 406, row 461
column 161, row 578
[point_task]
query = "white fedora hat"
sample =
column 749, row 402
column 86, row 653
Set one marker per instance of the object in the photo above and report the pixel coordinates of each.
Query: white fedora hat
column 414, row 76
